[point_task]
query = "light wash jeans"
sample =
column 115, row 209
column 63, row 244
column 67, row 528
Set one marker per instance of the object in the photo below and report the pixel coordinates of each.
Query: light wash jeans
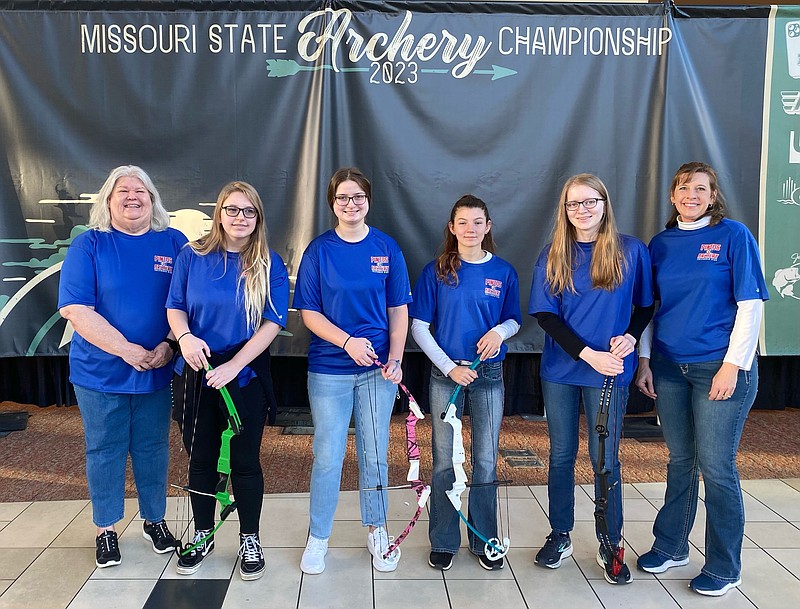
column 114, row 425
column 334, row 398
column 702, row 435
column 562, row 404
column 485, row 398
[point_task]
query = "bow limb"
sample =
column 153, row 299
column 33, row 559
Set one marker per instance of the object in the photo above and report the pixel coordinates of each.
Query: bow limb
column 221, row 492
column 494, row 548
column 422, row 490
column 617, row 554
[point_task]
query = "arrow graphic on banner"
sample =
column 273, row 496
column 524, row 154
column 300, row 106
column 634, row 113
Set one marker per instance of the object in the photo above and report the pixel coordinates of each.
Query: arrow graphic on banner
column 496, row 71
column 279, row 68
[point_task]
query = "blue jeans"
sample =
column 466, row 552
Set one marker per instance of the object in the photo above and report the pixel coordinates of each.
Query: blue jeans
column 562, row 405
column 485, row 396
column 334, row 398
column 114, row 425
column 702, row 436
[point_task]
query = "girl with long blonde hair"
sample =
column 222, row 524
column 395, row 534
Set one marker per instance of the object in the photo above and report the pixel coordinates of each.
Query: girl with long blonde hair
column 228, row 300
column 586, row 284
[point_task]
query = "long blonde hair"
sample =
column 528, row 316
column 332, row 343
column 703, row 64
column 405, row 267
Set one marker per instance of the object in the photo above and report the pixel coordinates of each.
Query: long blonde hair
column 607, row 259
column 100, row 215
column 254, row 257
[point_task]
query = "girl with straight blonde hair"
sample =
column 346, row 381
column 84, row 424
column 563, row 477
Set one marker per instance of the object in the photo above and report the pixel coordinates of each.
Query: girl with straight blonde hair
column 586, row 284
column 228, row 300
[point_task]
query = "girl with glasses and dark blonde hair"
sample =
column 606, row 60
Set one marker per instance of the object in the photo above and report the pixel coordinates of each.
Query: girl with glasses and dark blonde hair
column 227, row 302
column 586, row 284
column 352, row 291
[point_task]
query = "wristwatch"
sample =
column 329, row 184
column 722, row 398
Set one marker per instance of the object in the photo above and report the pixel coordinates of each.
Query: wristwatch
column 173, row 344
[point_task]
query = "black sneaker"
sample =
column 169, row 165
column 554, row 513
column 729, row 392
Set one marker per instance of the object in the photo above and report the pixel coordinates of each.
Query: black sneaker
column 440, row 560
column 107, row 554
column 189, row 563
column 557, row 547
column 158, row 534
column 614, row 567
column 252, row 565
column 489, row 564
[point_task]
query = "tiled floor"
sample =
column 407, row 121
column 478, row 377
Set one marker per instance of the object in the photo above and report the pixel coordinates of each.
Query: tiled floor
column 47, row 560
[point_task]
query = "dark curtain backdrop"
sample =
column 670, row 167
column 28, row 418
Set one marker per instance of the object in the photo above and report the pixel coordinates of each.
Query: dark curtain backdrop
column 43, row 381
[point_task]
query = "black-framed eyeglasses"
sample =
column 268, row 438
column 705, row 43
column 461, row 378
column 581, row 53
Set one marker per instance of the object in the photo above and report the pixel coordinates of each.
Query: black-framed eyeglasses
column 247, row 212
column 344, row 200
column 587, row 204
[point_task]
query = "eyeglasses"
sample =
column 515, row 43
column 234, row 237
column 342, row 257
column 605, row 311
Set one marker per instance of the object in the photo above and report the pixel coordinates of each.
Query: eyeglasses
column 344, row 200
column 587, row 204
column 247, row 212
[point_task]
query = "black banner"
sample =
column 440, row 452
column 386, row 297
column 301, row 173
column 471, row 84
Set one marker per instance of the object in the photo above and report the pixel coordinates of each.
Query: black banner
column 431, row 100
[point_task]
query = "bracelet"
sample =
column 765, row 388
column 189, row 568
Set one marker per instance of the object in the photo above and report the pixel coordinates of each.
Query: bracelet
column 182, row 335
column 349, row 336
column 173, row 344
column 396, row 362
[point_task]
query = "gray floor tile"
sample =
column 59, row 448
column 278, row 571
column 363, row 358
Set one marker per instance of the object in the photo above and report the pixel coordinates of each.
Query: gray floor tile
column 563, row 587
column 777, row 495
column 347, row 571
column 14, row 561
column 47, row 583
column 394, row 594
column 647, row 594
column 773, row 534
column 9, row 511
column 279, row 587
column 503, row 592
column 765, row 583
column 113, row 594
column 40, row 524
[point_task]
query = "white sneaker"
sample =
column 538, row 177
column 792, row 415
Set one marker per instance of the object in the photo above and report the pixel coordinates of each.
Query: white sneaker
column 313, row 561
column 377, row 543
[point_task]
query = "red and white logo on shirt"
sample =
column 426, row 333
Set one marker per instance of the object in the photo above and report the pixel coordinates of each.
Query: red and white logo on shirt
column 162, row 264
column 492, row 287
column 709, row 251
column 379, row 264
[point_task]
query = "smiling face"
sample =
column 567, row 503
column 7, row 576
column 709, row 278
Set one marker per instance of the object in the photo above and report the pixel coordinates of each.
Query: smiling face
column 130, row 206
column 469, row 226
column 586, row 221
column 693, row 197
column 350, row 214
column 237, row 228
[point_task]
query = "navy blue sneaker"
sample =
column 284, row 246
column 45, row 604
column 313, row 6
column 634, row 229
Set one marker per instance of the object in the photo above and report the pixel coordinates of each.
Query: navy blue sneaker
column 653, row 562
column 557, row 547
column 711, row 586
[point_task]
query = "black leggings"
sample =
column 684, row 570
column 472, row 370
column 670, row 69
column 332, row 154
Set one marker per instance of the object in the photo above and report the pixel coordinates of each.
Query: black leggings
column 202, row 440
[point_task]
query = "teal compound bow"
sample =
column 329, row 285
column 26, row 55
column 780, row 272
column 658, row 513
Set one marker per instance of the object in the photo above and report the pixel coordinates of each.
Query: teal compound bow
column 222, row 490
column 494, row 548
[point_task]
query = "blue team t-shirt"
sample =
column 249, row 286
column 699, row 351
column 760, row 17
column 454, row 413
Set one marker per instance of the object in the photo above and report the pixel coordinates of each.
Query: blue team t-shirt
column 125, row 278
column 593, row 314
column 208, row 290
column 700, row 275
column 352, row 285
column 487, row 294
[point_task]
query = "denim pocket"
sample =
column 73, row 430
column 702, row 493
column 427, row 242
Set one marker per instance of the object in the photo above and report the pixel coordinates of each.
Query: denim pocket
column 492, row 371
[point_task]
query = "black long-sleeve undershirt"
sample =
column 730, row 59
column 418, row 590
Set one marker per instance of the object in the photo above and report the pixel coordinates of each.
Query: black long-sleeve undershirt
column 572, row 343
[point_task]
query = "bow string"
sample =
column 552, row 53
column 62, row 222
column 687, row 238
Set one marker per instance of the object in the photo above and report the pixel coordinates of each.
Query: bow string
column 222, row 490
column 494, row 548
column 617, row 554
column 422, row 490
